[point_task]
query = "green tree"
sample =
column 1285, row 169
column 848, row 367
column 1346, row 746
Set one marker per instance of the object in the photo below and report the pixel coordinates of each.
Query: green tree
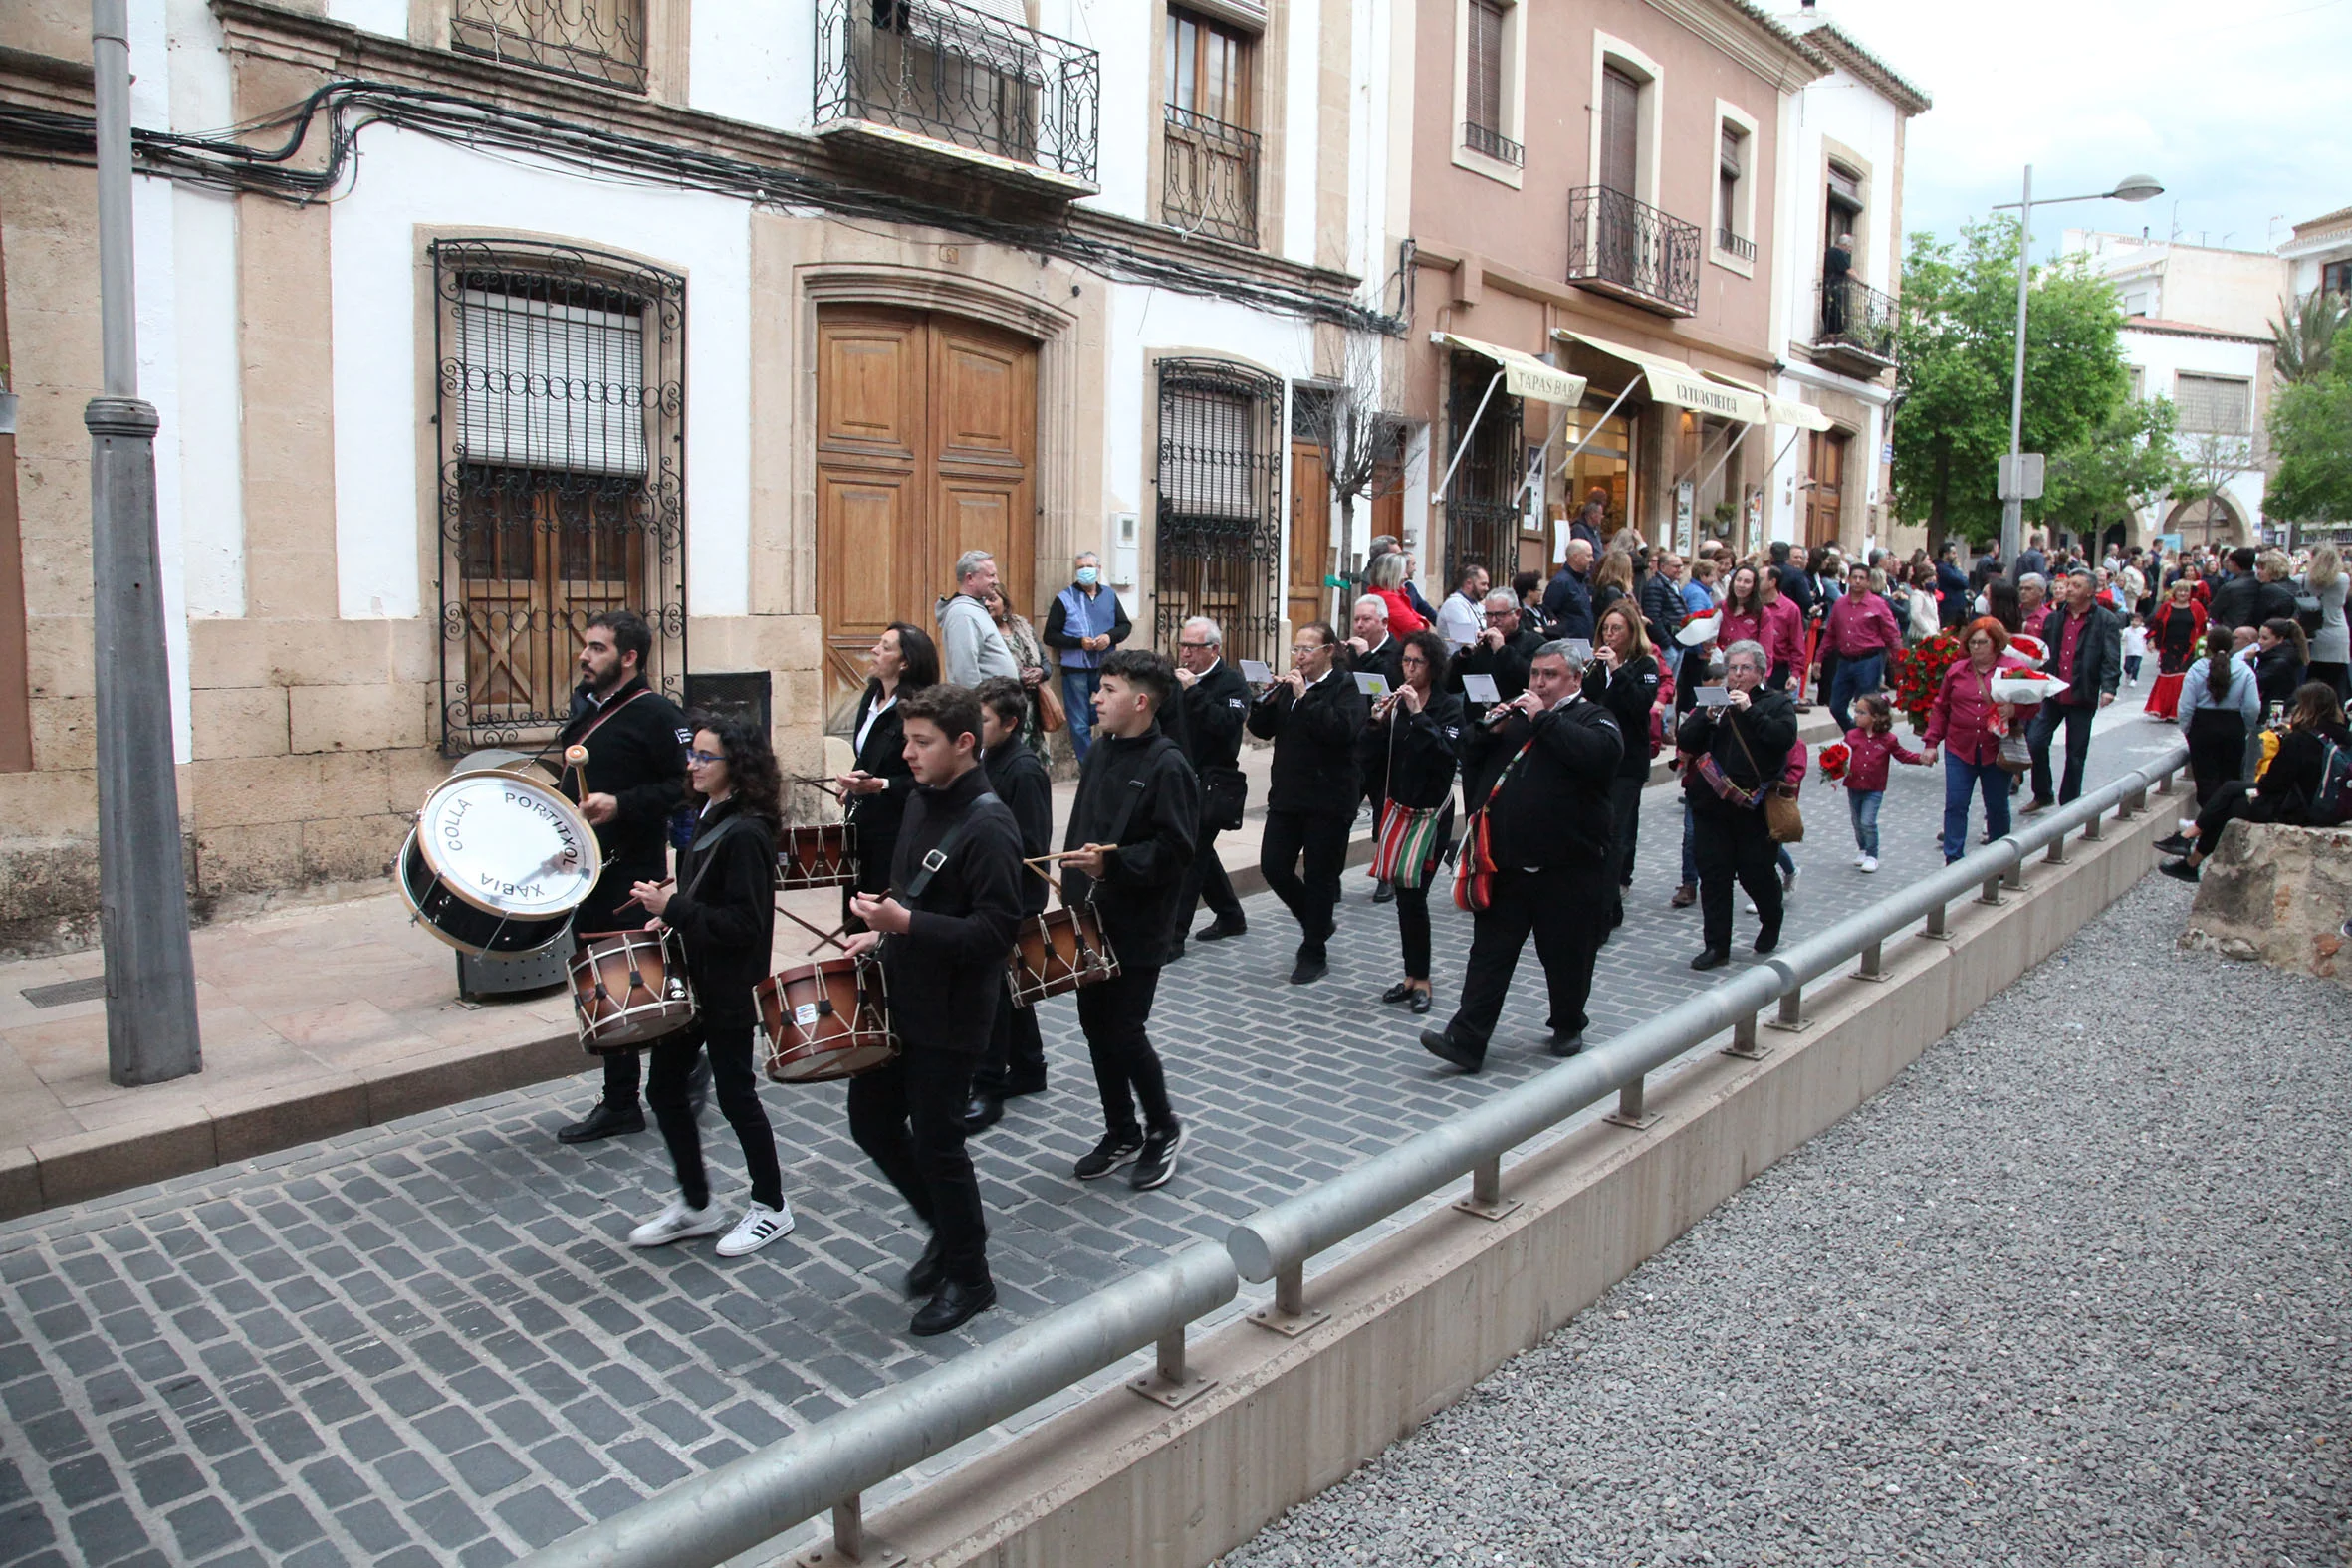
column 2132, row 459
column 1958, row 338
column 2311, row 438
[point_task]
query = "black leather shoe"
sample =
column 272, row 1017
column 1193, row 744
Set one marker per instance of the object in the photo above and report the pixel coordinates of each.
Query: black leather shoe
column 1397, row 992
column 1383, row 893
column 924, row 1278
column 1420, row 1002
column 1711, row 958
column 1021, row 1086
column 953, row 1307
column 1766, row 941
column 1310, row 970
column 982, row 1112
column 1447, row 1049
column 1567, row 1045
column 1219, row 929
column 603, row 1122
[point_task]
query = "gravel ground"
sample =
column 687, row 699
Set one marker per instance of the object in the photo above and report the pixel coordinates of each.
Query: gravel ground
column 2071, row 1290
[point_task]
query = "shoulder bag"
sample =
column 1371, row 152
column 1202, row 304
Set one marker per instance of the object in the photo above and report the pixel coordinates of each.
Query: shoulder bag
column 1474, row 864
column 1051, row 715
column 1783, row 817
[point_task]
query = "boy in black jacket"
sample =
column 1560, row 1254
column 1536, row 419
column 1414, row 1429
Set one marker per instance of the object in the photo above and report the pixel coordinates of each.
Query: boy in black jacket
column 943, row 930
column 1132, row 827
column 1016, row 1062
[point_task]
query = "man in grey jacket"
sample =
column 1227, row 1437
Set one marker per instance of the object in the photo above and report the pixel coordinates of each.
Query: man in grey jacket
column 971, row 649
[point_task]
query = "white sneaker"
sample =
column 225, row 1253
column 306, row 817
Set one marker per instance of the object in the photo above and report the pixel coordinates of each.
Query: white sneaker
column 1870, row 862
column 676, row 1224
column 758, row 1226
column 1861, row 861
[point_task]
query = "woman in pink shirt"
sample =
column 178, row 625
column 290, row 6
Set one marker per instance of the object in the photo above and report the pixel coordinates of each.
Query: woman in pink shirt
column 1743, row 610
column 1968, row 723
column 1783, row 636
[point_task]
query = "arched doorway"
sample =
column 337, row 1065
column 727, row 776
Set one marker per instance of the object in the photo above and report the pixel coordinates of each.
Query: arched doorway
column 926, row 447
column 2211, row 520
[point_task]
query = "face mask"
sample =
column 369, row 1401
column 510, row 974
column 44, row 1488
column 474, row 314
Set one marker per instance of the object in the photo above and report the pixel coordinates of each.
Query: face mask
column 1087, row 576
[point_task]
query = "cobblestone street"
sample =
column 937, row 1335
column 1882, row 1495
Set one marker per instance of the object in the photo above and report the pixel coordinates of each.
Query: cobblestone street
column 428, row 1343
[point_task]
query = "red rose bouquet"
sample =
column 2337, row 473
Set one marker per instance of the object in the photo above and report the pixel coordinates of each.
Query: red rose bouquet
column 1835, row 758
column 1917, row 674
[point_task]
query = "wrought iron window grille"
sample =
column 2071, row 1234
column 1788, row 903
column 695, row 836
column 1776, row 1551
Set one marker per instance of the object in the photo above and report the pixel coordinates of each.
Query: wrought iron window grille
column 1726, row 240
column 1483, row 504
column 1210, row 178
column 1632, row 250
column 601, row 40
column 1858, row 318
column 1219, row 537
column 561, row 461
column 1493, row 143
column 961, row 75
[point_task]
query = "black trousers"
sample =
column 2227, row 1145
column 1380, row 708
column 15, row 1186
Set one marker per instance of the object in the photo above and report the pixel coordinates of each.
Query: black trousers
column 2076, row 717
column 1412, row 929
column 2217, row 748
column 1568, row 910
column 1625, row 807
column 2228, row 804
column 737, row 1089
column 1734, row 845
column 1323, row 839
column 908, row 1117
column 1115, row 1015
column 1016, row 1060
column 1205, row 880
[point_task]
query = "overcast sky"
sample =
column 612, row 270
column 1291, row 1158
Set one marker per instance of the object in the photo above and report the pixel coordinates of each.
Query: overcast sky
column 2243, row 111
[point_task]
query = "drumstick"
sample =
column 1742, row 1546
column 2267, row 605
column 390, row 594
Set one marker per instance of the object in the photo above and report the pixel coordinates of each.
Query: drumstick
column 634, row 899
column 1067, row 854
column 825, row 784
column 822, row 937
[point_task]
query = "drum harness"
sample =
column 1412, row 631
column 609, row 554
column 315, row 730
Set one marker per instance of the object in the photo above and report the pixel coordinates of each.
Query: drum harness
column 636, row 978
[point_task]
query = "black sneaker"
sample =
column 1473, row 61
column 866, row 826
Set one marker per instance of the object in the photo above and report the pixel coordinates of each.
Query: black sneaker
column 1219, row 929
column 2179, row 871
column 1310, row 970
column 2174, row 844
column 1115, row 1149
column 1156, row 1162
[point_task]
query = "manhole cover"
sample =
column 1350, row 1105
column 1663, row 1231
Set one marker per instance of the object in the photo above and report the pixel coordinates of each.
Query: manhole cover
column 92, row 990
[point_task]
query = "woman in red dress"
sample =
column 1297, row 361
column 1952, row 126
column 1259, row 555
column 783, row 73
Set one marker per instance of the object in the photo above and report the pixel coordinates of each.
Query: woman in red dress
column 2174, row 632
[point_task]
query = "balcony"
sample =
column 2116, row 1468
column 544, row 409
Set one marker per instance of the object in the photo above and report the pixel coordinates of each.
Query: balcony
column 603, row 43
column 1732, row 245
column 1493, row 143
column 1208, row 182
column 1857, row 331
column 1631, row 250
column 959, row 90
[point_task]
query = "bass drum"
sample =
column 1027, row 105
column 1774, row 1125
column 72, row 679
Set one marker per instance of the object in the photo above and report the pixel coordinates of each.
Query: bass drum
column 497, row 862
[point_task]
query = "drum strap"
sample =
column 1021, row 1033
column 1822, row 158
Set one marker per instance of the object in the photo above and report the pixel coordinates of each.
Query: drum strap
column 934, row 860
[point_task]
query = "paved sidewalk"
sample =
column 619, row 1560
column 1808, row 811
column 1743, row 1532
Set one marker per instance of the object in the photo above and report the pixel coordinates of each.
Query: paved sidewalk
column 425, row 1342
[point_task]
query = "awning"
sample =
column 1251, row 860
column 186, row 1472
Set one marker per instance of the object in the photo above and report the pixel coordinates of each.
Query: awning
column 1525, row 375
column 1679, row 384
column 1783, row 411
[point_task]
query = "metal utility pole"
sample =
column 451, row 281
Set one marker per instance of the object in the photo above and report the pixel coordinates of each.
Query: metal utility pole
column 142, row 891
column 2013, row 505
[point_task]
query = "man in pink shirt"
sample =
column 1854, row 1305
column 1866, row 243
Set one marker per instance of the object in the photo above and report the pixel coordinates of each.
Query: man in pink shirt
column 1863, row 631
column 2033, row 603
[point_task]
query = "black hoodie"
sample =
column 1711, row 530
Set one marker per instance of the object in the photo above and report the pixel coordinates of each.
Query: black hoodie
column 945, row 970
column 1137, row 793
column 725, row 909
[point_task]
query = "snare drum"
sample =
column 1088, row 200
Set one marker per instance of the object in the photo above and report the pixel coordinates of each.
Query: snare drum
column 497, row 862
column 1060, row 950
column 821, row 856
column 826, row 1018
column 630, row 988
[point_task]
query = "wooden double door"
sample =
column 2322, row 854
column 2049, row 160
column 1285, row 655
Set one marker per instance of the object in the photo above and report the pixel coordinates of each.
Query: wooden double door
column 1825, row 501
column 926, row 447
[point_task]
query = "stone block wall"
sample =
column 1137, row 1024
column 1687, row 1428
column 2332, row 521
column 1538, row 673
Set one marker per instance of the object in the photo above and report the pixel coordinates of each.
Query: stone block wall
column 2278, row 896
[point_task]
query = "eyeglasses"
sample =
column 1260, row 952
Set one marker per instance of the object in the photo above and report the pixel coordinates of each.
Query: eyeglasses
column 1196, row 645
column 1306, row 647
column 705, row 758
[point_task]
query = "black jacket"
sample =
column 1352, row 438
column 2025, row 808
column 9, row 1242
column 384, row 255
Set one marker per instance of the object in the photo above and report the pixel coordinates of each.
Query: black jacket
column 1627, row 696
column 1411, row 757
column 1017, row 778
column 1661, row 608
column 2277, row 672
column 1769, row 728
column 878, row 815
column 1567, row 605
column 1952, row 595
column 1552, row 809
column 1209, row 714
column 1137, row 793
column 1386, row 661
column 638, row 756
column 2098, row 654
column 1507, row 665
column 946, row 970
column 725, row 909
column 2233, row 602
column 2292, row 780
column 1314, row 771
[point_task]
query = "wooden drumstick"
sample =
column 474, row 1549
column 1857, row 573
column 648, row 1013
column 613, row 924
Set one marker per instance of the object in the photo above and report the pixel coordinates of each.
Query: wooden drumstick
column 576, row 758
column 666, row 881
column 822, row 937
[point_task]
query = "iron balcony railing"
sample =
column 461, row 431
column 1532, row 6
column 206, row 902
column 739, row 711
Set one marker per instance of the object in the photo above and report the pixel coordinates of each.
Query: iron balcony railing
column 604, row 42
column 1630, row 249
column 1857, row 317
column 707, row 1519
column 1726, row 240
column 1492, row 142
column 1210, row 178
column 955, row 75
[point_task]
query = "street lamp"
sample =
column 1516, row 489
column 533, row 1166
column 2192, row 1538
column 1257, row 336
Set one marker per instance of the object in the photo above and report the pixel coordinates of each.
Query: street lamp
column 2132, row 188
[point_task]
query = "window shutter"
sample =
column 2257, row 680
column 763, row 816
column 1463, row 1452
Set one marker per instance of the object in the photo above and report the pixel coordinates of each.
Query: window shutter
column 1731, row 153
column 1845, row 185
column 1485, row 108
column 1621, row 129
column 550, row 386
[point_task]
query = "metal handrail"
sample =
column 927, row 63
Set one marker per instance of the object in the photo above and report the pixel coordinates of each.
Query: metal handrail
column 706, row 1519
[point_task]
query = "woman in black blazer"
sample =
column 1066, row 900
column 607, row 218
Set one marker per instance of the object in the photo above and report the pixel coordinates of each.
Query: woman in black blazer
column 877, row 787
column 1410, row 751
column 1313, row 715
